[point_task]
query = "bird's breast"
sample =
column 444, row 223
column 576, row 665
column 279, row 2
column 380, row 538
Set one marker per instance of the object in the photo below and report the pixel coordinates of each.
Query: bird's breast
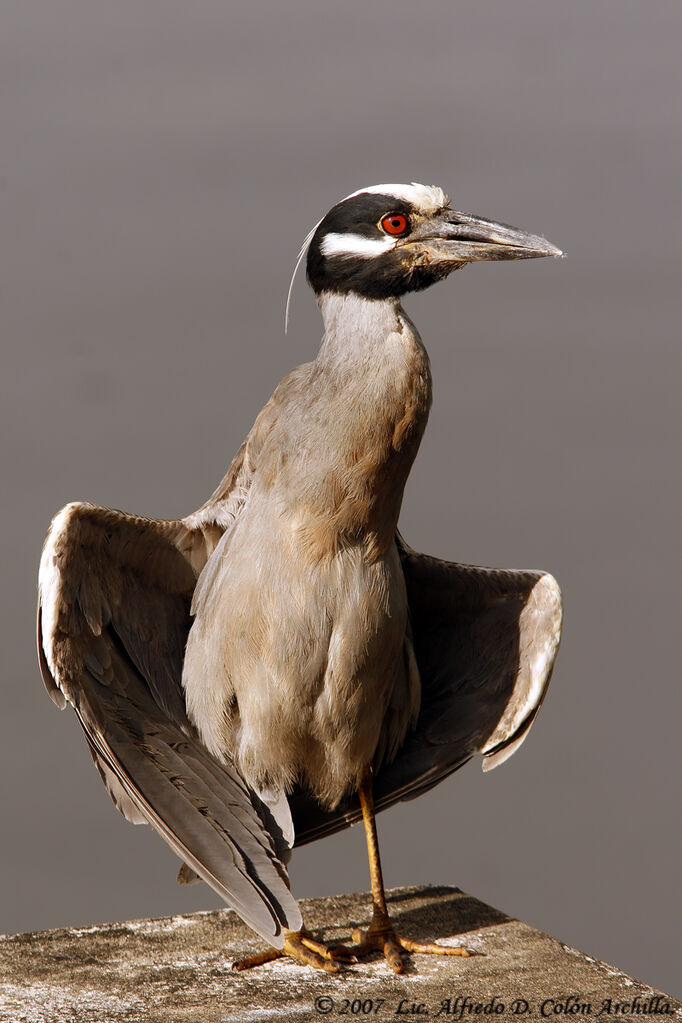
column 339, row 473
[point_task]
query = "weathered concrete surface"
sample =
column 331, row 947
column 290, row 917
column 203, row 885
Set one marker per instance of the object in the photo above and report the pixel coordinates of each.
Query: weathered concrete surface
column 178, row 970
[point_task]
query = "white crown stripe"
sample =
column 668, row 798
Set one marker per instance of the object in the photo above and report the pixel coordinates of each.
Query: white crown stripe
column 426, row 198
column 355, row 245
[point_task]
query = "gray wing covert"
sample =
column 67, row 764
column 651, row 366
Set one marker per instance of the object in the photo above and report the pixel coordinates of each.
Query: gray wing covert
column 115, row 593
column 485, row 641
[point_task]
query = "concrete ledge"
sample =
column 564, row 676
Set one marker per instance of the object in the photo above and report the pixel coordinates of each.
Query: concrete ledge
column 178, row 970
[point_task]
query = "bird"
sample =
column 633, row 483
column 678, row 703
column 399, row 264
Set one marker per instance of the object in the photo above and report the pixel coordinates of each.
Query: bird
column 280, row 664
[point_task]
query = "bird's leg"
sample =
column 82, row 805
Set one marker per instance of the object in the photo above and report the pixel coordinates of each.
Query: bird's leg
column 299, row 945
column 380, row 935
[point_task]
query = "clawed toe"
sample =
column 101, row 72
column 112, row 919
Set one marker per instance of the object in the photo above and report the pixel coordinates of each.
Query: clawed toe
column 381, row 937
column 329, row 952
column 300, row 946
column 433, row 948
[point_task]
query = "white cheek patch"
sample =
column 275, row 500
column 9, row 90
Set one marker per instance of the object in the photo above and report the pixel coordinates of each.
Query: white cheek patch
column 355, row 245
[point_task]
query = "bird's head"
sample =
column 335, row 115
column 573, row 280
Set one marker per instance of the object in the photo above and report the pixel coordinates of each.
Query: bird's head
column 383, row 241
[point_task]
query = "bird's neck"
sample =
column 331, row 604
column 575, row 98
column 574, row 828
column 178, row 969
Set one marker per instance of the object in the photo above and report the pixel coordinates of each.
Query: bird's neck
column 372, row 374
column 356, row 329
column 372, row 353
column 373, row 358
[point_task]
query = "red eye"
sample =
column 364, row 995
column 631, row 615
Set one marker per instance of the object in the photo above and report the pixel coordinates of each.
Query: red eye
column 394, row 223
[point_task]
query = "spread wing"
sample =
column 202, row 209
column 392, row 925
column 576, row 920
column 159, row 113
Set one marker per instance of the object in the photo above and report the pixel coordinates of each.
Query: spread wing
column 485, row 642
column 115, row 593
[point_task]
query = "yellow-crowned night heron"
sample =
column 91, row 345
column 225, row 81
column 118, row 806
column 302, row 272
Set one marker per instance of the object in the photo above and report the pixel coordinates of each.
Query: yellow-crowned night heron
column 279, row 663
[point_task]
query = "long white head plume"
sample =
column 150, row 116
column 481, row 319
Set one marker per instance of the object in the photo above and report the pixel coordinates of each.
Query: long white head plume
column 304, row 248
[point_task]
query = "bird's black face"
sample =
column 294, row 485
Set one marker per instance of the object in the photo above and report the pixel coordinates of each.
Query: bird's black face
column 390, row 239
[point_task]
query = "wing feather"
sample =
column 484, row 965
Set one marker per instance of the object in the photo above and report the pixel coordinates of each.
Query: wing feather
column 115, row 593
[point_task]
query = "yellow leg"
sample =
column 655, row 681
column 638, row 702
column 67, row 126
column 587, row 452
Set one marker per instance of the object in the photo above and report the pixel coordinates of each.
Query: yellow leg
column 380, row 935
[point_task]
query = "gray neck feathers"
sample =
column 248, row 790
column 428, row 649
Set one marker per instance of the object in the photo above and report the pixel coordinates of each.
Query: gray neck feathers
column 372, row 381
column 361, row 331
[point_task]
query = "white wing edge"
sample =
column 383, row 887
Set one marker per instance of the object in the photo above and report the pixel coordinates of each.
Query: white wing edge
column 540, row 635
column 50, row 581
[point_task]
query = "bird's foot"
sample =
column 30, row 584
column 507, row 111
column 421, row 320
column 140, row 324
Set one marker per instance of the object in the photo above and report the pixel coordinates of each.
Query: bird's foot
column 300, row 946
column 381, row 936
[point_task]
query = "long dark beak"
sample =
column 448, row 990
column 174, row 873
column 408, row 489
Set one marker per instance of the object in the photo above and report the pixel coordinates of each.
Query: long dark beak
column 461, row 238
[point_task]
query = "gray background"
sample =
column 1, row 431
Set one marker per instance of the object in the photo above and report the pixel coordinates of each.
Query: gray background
column 159, row 165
